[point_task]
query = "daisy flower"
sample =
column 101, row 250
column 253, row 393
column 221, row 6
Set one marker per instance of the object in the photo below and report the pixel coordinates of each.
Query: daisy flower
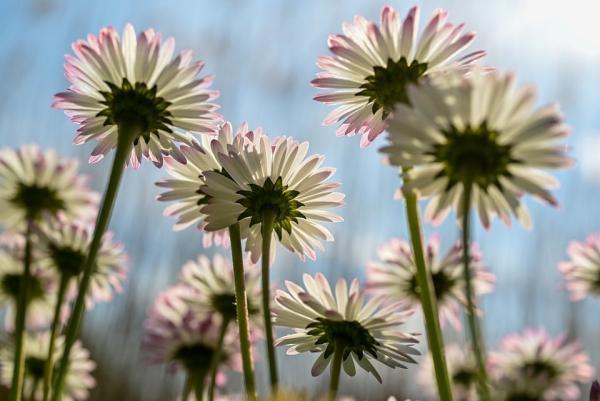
column 463, row 372
column 323, row 321
column 372, row 65
column 41, row 285
column 135, row 84
column 535, row 366
column 63, row 250
column 187, row 178
column 395, row 276
column 175, row 334
column 273, row 177
column 36, row 184
column 582, row 271
column 481, row 131
column 79, row 380
column 213, row 282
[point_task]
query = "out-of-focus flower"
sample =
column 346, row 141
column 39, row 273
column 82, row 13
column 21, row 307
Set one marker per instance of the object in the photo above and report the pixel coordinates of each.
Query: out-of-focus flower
column 78, row 381
column 136, row 84
column 275, row 177
column 395, row 276
column 533, row 364
column 36, row 185
column 323, row 321
column 372, row 66
column 582, row 271
column 480, row 130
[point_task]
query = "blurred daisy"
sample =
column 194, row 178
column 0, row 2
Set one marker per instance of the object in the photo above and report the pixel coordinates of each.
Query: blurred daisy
column 395, row 276
column 463, row 373
column 481, row 130
column 63, row 250
column 78, row 382
column 136, row 83
column 41, row 286
column 323, row 321
column 187, row 178
column 213, row 283
column 36, row 184
column 582, row 271
column 535, row 366
column 273, row 176
column 175, row 334
column 372, row 66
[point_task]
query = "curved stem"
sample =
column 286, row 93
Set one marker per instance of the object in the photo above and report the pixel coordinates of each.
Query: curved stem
column 214, row 366
column 474, row 329
column 16, row 388
column 267, row 234
column 428, row 299
column 124, row 147
column 60, row 297
column 336, row 370
column 242, row 310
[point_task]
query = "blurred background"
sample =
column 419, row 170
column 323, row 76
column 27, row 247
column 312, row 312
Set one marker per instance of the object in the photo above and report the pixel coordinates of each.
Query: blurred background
column 263, row 54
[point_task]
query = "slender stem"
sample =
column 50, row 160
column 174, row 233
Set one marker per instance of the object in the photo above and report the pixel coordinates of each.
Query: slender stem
column 474, row 329
column 34, row 387
column 16, row 389
column 187, row 388
column 267, row 234
column 214, row 366
column 336, row 370
column 62, row 289
column 428, row 300
column 124, row 146
column 242, row 310
column 199, row 380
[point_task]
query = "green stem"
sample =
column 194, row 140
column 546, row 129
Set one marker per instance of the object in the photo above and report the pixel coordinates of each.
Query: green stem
column 200, row 378
column 267, row 234
column 187, row 388
column 474, row 329
column 242, row 310
column 62, row 289
column 16, row 388
column 123, row 151
column 34, row 388
column 336, row 370
column 214, row 366
column 428, row 300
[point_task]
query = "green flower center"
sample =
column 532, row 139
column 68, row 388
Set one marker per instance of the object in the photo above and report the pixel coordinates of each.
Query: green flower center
column 194, row 357
column 387, row 85
column 539, row 369
column 35, row 200
column 442, row 284
column 273, row 198
column 67, row 260
column 465, row 377
column 34, row 367
column 11, row 285
column 350, row 335
column 473, row 155
column 136, row 106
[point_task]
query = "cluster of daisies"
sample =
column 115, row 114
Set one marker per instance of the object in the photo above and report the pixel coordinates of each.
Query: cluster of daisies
column 461, row 135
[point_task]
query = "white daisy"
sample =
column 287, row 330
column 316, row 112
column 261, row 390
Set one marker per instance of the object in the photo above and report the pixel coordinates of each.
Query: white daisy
column 323, row 321
column 395, row 276
column 463, row 373
column 535, row 366
column 63, row 248
column 582, row 271
column 78, row 382
column 136, row 83
column 273, row 177
column 372, row 65
column 187, row 178
column 480, row 130
column 36, row 184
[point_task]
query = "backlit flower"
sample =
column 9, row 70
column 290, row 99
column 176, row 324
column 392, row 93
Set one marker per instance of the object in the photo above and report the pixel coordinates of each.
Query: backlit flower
column 582, row 271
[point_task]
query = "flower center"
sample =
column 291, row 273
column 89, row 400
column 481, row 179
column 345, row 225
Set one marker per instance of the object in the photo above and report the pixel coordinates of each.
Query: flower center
column 442, row 284
column 194, row 357
column 67, row 260
column 35, row 200
column 273, row 198
column 464, row 377
column 387, row 85
column 11, row 285
column 473, row 155
column 524, row 397
column 539, row 369
column 350, row 335
column 35, row 367
column 136, row 106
